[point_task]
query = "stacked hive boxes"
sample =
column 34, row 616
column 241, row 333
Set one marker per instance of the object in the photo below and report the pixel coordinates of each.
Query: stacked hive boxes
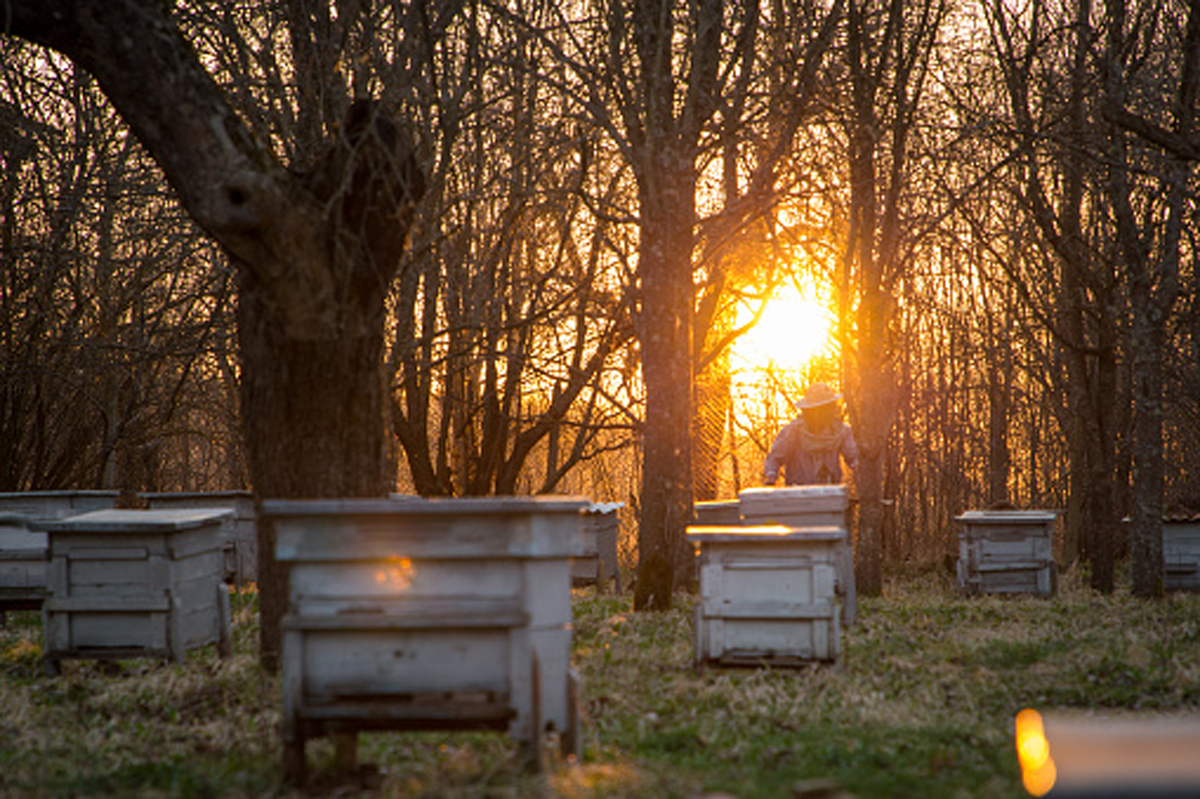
column 22, row 564
column 768, row 587
column 598, row 564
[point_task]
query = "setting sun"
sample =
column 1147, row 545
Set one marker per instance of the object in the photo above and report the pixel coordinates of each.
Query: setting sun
column 792, row 331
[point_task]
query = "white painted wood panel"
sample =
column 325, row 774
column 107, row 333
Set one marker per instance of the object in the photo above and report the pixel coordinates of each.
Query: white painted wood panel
column 767, row 594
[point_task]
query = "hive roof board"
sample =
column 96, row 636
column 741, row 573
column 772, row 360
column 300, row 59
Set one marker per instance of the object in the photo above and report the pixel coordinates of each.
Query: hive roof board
column 136, row 521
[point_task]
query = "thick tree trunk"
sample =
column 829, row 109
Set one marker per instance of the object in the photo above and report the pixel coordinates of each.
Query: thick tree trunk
column 999, row 456
column 872, row 379
column 1154, row 289
column 317, row 252
column 665, row 327
column 316, row 406
column 1145, row 529
column 877, row 393
column 313, row 397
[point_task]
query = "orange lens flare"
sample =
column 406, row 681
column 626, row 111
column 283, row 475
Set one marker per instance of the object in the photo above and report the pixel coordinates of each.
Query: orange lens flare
column 397, row 573
column 1033, row 751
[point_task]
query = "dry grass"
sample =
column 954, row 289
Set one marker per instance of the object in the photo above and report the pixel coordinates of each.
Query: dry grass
column 921, row 703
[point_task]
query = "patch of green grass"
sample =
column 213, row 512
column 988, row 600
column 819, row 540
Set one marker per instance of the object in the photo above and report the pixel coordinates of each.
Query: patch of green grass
column 921, row 703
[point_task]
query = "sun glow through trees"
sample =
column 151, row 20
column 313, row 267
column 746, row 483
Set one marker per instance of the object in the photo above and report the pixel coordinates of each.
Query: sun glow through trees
column 794, row 329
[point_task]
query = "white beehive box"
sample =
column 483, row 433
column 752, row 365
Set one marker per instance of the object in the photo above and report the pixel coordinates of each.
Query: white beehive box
column 240, row 532
column 598, row 563
column 808, row 506
column 1181, row 554
column 23, row 551
column 411, row 614
column 134, row 583
column 767, row 595
column 1007, row 552
column 22, row 565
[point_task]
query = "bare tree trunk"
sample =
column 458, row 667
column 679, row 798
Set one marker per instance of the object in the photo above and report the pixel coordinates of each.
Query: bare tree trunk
column 289, row 387
column 665, row 329
column 1154, row 281
column 317, row 252
column 999, row 364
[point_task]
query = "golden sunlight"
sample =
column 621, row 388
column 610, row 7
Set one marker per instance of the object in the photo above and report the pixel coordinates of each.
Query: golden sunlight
column 794, row 329
column 397, row 575
column 1033, row 752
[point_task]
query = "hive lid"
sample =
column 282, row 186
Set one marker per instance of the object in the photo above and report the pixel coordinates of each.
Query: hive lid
column 1008, row 516
column 761, row 533
column 794, row 492
column 793, row 500
column 136, row 521
column 229, row 494
column 406, row 505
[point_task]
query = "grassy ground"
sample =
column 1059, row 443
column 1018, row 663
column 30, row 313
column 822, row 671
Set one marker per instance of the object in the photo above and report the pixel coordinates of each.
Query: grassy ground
column 921, row 704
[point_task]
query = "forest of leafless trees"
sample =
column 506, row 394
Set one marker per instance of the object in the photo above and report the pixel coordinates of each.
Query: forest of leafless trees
column 206, row 281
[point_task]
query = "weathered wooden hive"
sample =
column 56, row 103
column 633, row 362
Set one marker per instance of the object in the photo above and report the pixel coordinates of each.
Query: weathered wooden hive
column 598, row 563
column 767, row 594
column 407, row 614
column 240, row 533
column 22, row 565
column 23, row 551
column 798, row 506
column 1181, row 551
column 1007, row 552
column 135, row 583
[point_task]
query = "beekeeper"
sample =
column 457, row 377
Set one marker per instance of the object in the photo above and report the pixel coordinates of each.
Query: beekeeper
column 812, row 448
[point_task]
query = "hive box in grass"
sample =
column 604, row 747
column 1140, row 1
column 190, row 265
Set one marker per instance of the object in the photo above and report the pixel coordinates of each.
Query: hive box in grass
column 134, row 583
column 598, row 563
column 22, row 565
column 23, row 550
column 1007, row 552
column 240, row 534
column 721, row 512
column 767, row 595
column 1181, row 554
column 411, row 614
column 808, row 506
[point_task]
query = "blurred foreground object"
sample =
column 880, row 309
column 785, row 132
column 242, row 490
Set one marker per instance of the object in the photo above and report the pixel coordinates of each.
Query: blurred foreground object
column 1119, row 755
